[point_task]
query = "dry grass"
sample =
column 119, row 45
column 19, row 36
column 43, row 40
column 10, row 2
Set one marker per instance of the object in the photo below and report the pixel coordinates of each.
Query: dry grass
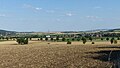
column 53, row 55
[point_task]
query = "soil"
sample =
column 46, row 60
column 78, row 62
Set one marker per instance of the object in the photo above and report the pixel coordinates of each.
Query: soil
column 56, row 55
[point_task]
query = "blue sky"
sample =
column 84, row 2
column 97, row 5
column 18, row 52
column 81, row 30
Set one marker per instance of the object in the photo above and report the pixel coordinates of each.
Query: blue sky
column 59, row 15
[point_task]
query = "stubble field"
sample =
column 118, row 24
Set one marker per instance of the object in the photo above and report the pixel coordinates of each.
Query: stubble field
column 56, row 55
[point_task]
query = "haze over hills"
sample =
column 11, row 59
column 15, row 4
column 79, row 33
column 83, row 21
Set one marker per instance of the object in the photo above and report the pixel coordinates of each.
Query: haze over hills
column 5, row 32
column 96, row 30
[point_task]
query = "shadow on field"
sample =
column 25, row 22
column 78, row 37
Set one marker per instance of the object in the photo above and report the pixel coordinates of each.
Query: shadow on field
column 105, row 55
column 14, row 44
column 109, row 47
column 111, row 56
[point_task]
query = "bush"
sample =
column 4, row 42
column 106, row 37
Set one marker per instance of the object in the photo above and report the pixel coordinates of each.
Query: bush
column 22, row 41
column 112, row 40
column 48, row 43
column 26, row 41
column 41, row 38
column 57, row 38
column 118, row 38
column 115, row 41
column 46, row 39
column 78, row 39
column 7, row 38
column 51, row 39
column 11, row 38
column 73, row 39
column 93, row 42
column 84, row 40
column 90, row 38
column 102, row 39
column 30, row 38
column 107, row 39
column 68, row 42
column 63, row 39
column 19, row 41
column 38, row 39
column 3, row 38
column 68, row 39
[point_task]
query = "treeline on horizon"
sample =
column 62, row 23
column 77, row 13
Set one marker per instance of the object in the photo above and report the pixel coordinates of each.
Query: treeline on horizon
column 67, row 35
column 84, row 37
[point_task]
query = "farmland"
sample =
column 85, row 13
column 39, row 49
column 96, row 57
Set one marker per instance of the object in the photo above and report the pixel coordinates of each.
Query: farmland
column 40, row 54
column 59, row 50
column 59, row 34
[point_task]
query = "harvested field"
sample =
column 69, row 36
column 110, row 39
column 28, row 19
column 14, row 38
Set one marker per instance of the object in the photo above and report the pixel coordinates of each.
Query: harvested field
column 54, row 55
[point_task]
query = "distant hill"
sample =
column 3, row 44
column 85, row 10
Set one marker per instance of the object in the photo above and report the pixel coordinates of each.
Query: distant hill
column 97, row 30
column 114, row 30
column 13, row 33
column 104, row 30
column 5, row 32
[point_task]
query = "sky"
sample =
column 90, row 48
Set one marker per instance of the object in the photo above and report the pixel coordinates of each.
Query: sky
column 59, row 15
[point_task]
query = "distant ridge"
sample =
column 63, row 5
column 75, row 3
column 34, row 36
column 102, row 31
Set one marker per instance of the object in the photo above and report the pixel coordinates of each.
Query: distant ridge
column 5, row 32
column 114, row 30
column 96, row 30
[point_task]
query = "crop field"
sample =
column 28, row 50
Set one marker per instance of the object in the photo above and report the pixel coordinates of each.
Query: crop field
column 39, row 54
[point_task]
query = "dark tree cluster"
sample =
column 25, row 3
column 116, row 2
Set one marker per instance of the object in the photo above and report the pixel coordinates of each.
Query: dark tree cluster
column 22, row 41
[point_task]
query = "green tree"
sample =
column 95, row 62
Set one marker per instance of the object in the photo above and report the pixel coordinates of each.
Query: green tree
column 57, row 38
column 90, row 38
column 107, row 39
column 7, row 38
column 112, row 40
column 3, row 38
column 69, row 42
column 93, row 42
column 26, row 41
column 41, row 38
column 30, row 38
column 118, row 38
column 63, row 39
column 22, row 41
column 51, row 39
column 38, row 39
column 78, row 39
column 84, row 40
column 46, row 39
column 11, row 38
column 102, row 39
column 73, row 39
column 115, row 41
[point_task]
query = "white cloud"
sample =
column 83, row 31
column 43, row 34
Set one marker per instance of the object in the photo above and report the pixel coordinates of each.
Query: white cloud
column 2, row 15
column 97, row 18
column 27, row 6
column 32, row 7
column 94, row 18
column 97, row 7
column 91, row 17
column 50, row 11
column 69, row 14
column 38, row 8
